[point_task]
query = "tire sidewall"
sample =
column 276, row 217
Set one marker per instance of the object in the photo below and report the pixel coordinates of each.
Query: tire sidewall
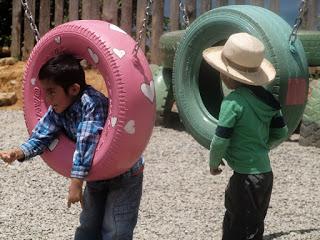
column 216, row 26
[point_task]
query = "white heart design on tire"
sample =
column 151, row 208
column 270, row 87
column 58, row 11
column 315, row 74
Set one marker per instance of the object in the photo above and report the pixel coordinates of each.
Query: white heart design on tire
column 93, row 56
column 57, row 40
column 148, row 90
column 130, row 127
column 33, row 81
column 119, row 53
column 116, row 28
column 114, row 121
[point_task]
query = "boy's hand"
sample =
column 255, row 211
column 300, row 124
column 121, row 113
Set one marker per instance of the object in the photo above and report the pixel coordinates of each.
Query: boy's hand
column 75, row 192
column 215, row 171
column 11, row 155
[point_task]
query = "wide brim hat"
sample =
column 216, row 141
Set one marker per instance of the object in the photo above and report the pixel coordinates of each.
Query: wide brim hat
column 242, row 59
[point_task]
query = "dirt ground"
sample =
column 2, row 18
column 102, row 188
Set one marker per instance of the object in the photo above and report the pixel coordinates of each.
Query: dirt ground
column 11, row 80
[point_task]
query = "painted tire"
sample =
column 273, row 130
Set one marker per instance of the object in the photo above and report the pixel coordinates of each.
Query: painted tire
column 168, row 44
column 310, row 124
column 311, row 44
column 197, row 86
column 130, row 87
column 162, row 78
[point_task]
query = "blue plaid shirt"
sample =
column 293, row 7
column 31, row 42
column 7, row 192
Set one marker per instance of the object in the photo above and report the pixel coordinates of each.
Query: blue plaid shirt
column 82, row 122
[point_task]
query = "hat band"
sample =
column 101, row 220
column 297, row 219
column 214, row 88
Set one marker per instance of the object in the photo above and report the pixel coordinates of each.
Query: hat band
column 232, row 64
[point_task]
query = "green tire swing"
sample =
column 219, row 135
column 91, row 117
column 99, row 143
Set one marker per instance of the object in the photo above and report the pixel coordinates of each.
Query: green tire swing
column 168, row 44
column 310, row 125
column 311, row 44
column 164, row 95
column 162, row 76
column 197, row 87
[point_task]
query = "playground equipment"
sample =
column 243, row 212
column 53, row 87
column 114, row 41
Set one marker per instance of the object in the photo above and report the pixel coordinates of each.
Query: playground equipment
column 130, row 88
column 310, row 124
column 197, row 88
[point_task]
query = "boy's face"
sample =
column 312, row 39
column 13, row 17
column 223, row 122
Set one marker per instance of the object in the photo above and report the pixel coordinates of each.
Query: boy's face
column 57, row 97
column 230, row 83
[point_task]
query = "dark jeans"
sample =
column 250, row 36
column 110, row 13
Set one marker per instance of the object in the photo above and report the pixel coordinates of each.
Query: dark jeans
column 247, row 200
column 111, row 208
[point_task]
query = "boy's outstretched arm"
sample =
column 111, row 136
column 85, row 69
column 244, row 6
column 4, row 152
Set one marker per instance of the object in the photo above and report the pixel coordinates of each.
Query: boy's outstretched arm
column 278, row 130
column 42, row 135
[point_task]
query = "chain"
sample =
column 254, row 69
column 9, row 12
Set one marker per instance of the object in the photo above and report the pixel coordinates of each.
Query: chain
column 28, row 14
column 302, row 9
column 144, row 26
column 184, row 13
column 148, row 14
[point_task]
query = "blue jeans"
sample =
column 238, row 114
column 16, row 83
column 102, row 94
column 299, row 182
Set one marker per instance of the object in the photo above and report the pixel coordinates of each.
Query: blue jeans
column 111, row 207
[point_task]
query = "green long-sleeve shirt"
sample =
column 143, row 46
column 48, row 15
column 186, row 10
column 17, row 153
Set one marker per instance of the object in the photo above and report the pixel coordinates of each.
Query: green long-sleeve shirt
column 250, row 122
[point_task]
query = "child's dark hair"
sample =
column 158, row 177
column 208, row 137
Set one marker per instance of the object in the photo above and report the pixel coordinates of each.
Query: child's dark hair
column 64, row 70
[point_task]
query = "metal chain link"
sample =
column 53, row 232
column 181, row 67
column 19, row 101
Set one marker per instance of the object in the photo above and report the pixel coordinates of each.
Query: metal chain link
column 302, row 9
column 184, row 13
column 144, row 26
column 146, row 18
column 28, row 14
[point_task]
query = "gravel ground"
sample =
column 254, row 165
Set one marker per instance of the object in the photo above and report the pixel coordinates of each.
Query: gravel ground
column 180, row 199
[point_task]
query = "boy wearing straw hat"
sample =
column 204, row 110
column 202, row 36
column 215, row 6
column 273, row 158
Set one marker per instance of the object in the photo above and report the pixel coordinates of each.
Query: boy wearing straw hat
column 250, row 122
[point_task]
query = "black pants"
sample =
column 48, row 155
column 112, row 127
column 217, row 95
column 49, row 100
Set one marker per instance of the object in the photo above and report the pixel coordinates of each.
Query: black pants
column 247, row 200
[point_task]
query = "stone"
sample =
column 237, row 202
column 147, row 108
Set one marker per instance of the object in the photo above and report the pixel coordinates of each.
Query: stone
column 8, row 61
column 7, row 99
column 11, row 60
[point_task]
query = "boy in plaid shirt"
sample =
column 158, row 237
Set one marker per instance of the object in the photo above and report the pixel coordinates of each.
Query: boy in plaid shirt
column 109, row 207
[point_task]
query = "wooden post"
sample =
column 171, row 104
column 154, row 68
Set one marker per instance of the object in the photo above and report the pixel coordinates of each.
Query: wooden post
column 258, row 2
column 126, row 16
column 157, row 30
column 220, row 3
column 110, row 11
column 275, row 6
column 205, row 6
column 141, row 14
column 74, row 7
column 95, row 9
column 44, row 17
column 191, row 6
column 15, row 48
column 174, row 15
column 28, row 36
column 312, row 15
column 58, row 12
column 85, row 10
column 241, row 2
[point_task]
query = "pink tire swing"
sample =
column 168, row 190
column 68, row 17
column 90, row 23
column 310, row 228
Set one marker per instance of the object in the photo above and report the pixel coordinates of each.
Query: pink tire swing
column 130, row 88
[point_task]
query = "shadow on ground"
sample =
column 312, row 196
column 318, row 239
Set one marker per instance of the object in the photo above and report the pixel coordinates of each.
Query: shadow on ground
column 279, row 234
column 171, row 120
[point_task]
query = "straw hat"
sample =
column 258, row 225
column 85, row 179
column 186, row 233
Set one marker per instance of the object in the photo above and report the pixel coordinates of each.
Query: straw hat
column 242, row 59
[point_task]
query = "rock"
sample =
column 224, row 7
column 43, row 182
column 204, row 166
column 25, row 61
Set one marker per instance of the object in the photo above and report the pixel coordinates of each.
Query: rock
column 8, row 61
column 11, row 60
column 2, row 61
column 13, row 82
column 4, row 52
column 7, row 99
